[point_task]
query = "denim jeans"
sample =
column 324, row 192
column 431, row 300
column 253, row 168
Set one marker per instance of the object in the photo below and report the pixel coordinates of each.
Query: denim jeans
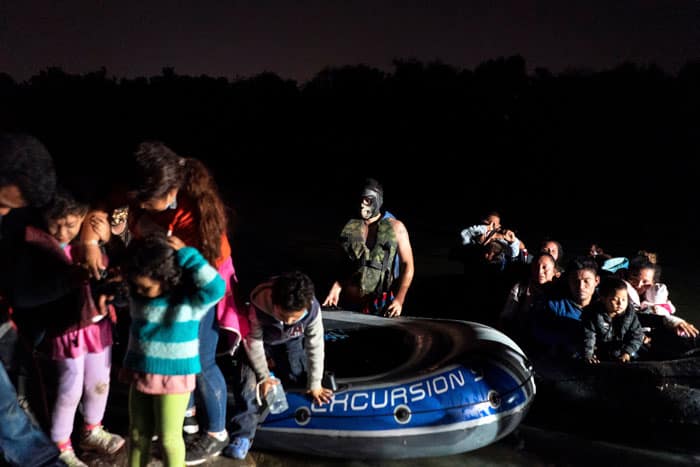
column 245, row 419
column 22, row 443
column 290, row 367
column 290, row 363
column 210, row 392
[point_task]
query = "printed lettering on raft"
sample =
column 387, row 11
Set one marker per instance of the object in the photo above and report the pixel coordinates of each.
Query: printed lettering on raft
column 380, row 398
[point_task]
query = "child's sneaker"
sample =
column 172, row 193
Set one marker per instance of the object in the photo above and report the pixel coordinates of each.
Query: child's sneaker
column 70, row 459
column 100, row 440
column 238, row 449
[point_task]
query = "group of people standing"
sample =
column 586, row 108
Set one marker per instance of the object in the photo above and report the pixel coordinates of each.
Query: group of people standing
column 155, row 252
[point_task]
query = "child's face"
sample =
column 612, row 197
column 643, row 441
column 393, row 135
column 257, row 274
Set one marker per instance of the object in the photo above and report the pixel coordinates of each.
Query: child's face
column 147, row 287
column 642, row 280
column 65, row 229
column 617, row 303
column 287, row 317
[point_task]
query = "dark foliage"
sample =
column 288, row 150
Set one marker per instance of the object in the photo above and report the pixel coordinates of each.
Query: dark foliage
column 555, row 152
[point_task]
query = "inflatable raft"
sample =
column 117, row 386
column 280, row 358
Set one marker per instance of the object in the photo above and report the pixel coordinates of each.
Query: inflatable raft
column 653, row 402
column 406, row 388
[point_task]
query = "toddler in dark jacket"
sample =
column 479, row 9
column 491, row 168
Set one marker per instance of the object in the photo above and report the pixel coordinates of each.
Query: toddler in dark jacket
column 611, row 328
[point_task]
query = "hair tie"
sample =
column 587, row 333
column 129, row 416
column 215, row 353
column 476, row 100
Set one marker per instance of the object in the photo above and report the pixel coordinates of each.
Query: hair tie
column 182, row 162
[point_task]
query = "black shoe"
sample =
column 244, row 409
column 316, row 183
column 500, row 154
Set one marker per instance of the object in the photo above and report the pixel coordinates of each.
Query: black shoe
column 203, row 448
column 190, row 426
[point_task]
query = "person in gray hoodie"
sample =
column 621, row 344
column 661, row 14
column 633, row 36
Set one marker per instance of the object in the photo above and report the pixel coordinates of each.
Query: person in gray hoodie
column 286, row 329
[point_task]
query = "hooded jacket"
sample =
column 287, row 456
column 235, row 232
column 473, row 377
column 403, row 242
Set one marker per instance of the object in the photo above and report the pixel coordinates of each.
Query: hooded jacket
column 265, row 329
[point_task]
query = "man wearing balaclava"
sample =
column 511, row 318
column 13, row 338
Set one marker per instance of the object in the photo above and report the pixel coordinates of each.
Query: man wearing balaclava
column 379, row 249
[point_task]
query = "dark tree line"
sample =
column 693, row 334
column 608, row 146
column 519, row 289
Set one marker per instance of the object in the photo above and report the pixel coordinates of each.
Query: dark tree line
column 544, row 148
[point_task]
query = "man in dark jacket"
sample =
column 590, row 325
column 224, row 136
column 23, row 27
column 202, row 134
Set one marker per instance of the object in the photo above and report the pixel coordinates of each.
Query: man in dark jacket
column 27, row 178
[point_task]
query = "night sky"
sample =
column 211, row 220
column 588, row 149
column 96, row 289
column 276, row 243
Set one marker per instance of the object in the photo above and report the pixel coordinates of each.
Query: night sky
column 296, row 39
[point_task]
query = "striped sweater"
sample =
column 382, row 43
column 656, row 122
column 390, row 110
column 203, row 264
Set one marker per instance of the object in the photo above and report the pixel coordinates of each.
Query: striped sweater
column 163, row 338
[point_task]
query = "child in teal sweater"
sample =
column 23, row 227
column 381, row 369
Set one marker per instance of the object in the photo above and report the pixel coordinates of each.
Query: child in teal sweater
column 172, row 287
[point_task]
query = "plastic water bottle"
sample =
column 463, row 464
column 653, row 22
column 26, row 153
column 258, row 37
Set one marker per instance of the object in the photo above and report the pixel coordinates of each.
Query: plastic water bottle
column 328, row 381
column 276, row 398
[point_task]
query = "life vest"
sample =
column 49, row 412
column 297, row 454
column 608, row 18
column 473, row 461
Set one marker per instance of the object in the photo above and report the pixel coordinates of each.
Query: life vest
column 374, row 269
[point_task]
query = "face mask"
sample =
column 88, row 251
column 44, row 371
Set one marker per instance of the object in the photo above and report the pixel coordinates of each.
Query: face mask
column 370, row 203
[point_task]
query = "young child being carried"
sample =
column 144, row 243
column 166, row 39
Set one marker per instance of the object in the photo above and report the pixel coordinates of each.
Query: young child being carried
column 611, row 328
column 172, row 287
